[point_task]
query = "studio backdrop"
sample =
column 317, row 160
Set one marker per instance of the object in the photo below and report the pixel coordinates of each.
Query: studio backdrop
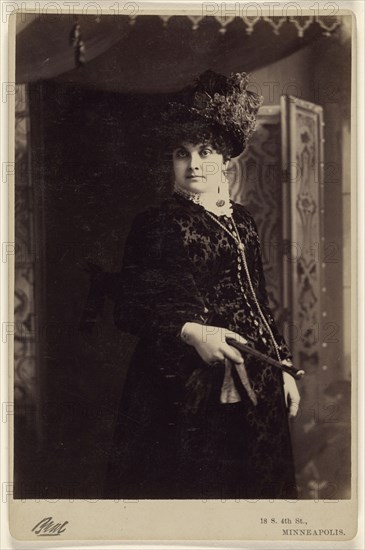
column 81, row 177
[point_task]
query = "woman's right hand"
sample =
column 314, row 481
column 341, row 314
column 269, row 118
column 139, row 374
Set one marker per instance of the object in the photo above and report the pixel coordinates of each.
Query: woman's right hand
column 210, row 342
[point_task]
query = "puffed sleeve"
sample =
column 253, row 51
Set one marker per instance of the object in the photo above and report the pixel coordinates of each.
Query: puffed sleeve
column 285, row 352
column 157, row 293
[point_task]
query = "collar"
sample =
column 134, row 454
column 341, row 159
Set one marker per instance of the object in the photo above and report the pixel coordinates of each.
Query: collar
column 209, row 201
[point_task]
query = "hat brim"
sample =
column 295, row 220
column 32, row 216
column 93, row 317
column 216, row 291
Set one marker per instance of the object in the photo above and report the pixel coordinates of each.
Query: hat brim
column 179, row 115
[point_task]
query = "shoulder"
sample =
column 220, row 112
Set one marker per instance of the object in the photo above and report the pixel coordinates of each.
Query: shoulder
column 156, row 222
column 172, row 214
column 149, row 220
column 244, row 215
column 168, row 208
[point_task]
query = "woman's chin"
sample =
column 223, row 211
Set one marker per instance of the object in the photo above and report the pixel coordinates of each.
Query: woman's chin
column 197, row 186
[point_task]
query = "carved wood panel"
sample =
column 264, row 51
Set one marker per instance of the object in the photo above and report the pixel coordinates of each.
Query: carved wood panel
column 303, row 170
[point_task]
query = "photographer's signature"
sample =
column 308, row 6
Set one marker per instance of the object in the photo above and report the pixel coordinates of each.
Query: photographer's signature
column 48, row 528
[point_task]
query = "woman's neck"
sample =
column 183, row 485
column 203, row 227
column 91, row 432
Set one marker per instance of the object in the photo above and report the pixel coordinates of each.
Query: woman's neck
column 217, row 203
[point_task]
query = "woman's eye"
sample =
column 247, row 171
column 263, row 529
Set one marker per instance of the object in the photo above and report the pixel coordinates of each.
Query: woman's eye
column 205, row 152
column 180, row 153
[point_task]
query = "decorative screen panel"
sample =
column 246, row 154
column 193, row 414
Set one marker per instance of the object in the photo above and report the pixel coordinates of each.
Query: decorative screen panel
column 303, row 170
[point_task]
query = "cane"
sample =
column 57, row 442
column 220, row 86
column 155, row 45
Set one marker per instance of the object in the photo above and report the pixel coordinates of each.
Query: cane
column 295, row 373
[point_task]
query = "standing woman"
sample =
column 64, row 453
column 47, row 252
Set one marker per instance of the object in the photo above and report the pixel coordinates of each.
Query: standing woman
column 198, row 419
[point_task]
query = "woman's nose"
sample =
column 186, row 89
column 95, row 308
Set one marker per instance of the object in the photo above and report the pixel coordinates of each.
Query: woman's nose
column 195, row 161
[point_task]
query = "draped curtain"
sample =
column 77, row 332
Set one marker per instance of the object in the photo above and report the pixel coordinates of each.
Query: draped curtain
column 156, row 53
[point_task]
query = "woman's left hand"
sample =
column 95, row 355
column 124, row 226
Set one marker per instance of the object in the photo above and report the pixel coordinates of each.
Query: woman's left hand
column 292, row 397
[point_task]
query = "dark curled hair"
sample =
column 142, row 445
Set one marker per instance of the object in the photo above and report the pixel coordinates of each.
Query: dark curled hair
column 197, row 132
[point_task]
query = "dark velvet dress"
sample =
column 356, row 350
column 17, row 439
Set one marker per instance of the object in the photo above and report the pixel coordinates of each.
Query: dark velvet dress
column 174, row 438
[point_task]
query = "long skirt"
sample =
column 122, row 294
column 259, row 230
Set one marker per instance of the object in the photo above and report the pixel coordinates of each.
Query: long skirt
column 213, row 460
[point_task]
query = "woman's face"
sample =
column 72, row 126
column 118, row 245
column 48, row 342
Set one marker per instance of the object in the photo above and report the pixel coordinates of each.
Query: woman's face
column 198, row 168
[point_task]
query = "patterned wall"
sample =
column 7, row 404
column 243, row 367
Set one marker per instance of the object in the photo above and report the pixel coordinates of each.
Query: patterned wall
column 25, row 375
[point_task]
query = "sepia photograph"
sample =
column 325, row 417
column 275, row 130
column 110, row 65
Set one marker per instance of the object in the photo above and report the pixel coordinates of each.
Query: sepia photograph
column 183, row 283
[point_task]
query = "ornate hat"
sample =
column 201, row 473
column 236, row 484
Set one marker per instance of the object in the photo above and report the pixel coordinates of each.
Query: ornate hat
column 221, row 103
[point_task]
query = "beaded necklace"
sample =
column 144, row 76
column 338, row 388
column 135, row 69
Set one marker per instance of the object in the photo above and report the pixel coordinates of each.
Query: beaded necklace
column 233, row 232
